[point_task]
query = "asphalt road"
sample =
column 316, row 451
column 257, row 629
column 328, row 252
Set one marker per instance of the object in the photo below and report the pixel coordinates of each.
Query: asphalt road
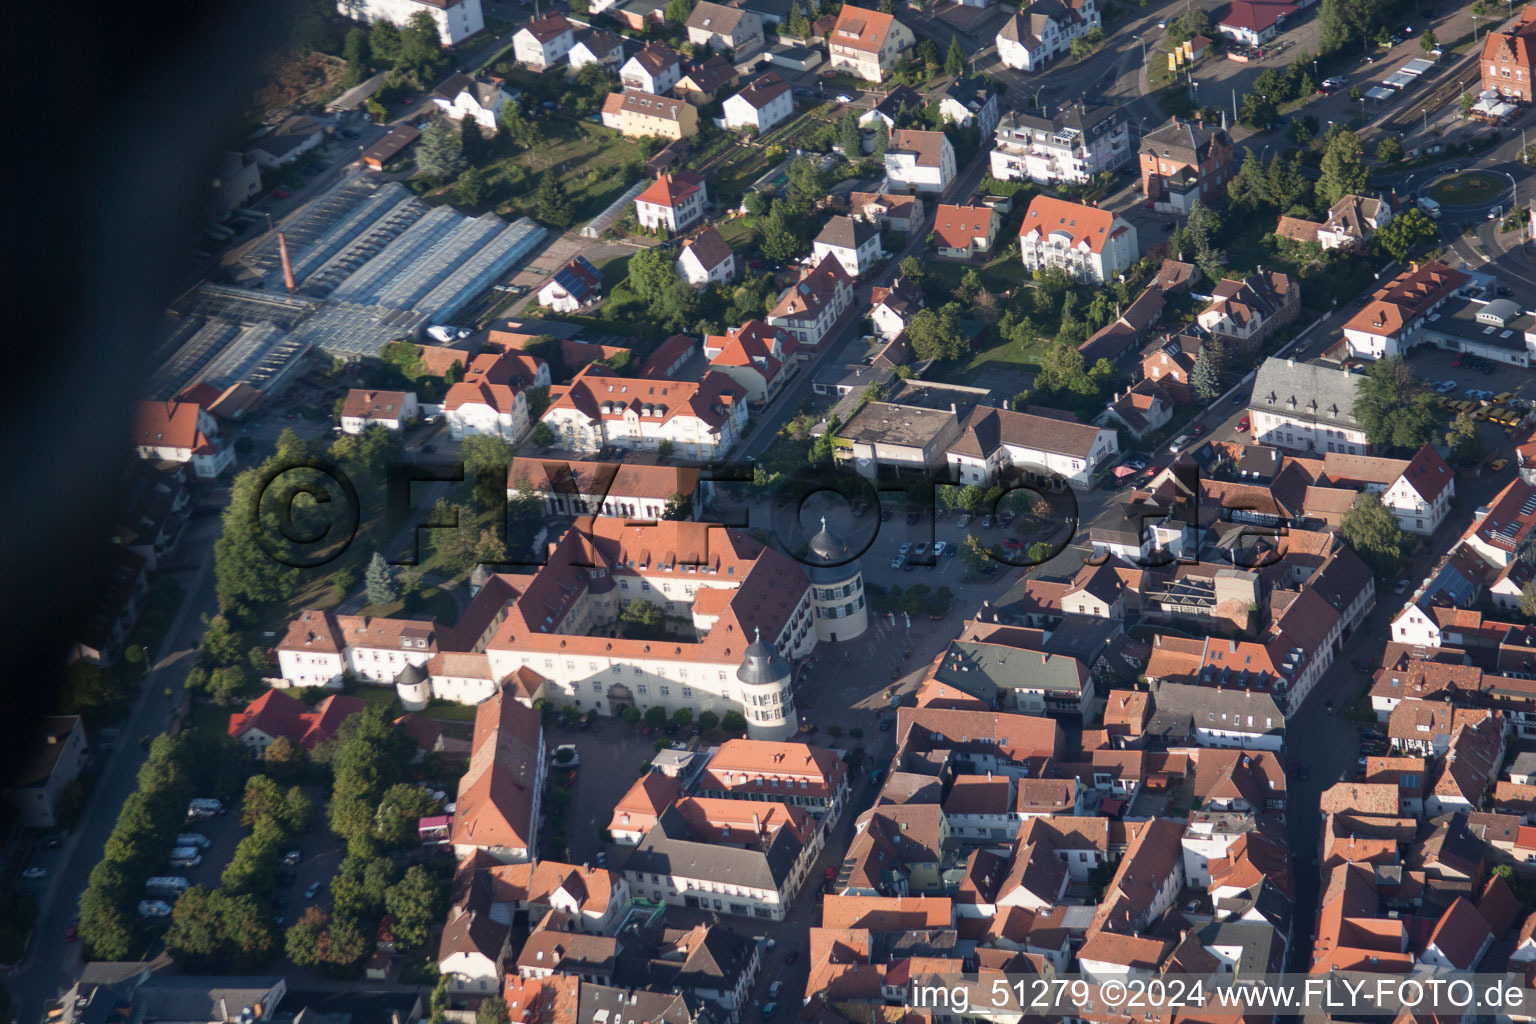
column 52, row 964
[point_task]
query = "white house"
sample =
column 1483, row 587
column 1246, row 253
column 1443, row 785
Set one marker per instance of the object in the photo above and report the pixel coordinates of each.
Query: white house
column 1353, row 220
column 1401, row 312
column 890, row 309
column 866, row 43
column 596, row 46
column 544, row 42
column 853, row 243
column 971, row 101
column 471, row 951
column 574, row 285
column 706, row 259
column 810, row 307
column 1092, row 245
column 725, row 28
column 1306, row 407
column 1254, row 22
column 992, row 440
column 60, row 755
column 173, row 431
column 762, row 105
column 673, row 202
column 758, row 357
column 456, row 20
column 1045, row 29
column 1417, row 491
column 364, row 408
column 492, row 397
column 654, row 69
column 700, row 419
column 1071, row 144
column 920, row 161
column 479, row 98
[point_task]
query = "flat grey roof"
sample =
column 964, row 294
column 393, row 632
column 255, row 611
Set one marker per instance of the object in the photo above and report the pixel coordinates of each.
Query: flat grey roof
column 1458, row 319
column 884, row 423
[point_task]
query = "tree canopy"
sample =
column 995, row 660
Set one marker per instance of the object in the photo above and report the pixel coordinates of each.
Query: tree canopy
column 1393, row 406
column 1372, row 531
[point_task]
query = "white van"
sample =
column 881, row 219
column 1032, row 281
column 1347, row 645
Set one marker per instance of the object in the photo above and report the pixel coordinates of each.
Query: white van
column 186, row 857
column 167, row 884
column 196, row 839
column 1179, row 443
column 1429, row 206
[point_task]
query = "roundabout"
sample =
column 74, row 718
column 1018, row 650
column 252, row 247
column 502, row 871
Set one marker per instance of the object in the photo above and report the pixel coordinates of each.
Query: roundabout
column 1468, row 189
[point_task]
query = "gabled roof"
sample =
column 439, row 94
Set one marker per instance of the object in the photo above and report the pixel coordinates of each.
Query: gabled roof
column 655, row 58
column 670, row 189
column 1254, row 15
column 1085, row 227
column 860, row 29
column 984, row 430
column 496, row 793
column 708, row 76
column 957, row 227
column 544, row 29
column 926, row 147
column 713, row 17
column 374, row 405
column 1461, row 934
column 169, row 425
column 709, row 248
column 763, row 90
column 847, row 233
column 277, row 714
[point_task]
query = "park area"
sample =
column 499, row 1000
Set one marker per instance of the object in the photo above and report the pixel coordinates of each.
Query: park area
column 1469, row 188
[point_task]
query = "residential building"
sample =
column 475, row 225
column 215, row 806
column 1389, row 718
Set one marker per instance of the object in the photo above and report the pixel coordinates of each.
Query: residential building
column 596, row 46
column 899, row 437
column 725, row 28
column 761, row 106
column 1499, row 330
column 707, row 79
column 492, row 397
column 1244, row 718
column 759, row 358
column 654, row 69
column 1305, row 407
column 389, row 409
column 456, row 20
column 544, row 42
column 1090, row 244
column 759, row 879
column 796, row 774
column 116, row 610
column 853, row 243
column 919, row 160
column 968, row 101
column 183, row 432
column 1392, row 320
column 990, row 441
column 866, row 43
column 1247, row 312
column 897, row 106
column 480, row 98
column 1142, row 409
column 635, row 15
column 892, row 212
column 673, row 202
column 389, row 147
column 701, row 419
column 285, row 143
column 1011, row 672
column 1417, row 491
column 1183, row 161
column 811, row 307
column 1509, row 58
column 41, row 780
column 623, row 489
column 1253, row 22
column 1045, row 29
column 706, row 259
column 637, row 114
column 275, row 715
column 472, row 949
column 500, row 792
column 238, row 182
column 573, row 286
column 1353, row 221
column 891, row 309
column 1069, row 144
column 965, row 232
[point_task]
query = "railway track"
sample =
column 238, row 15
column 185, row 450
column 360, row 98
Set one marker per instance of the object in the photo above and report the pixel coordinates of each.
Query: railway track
column 1445, row 93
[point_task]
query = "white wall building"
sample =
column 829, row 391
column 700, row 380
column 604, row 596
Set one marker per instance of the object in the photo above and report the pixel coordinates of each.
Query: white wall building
column 920, row 161
column 1092, row 245
column 1071, row 145
column 456, row 20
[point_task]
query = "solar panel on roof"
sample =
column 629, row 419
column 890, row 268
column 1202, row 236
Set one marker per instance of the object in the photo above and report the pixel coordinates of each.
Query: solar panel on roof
column 1529, row 506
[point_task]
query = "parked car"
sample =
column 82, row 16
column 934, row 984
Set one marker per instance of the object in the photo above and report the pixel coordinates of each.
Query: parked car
column 986, row 522
column 1199, row 429
column 281, row 193
column 313, row 890
column 778, row 986
column 1242, row 425
column 920, row 550
column 896, row 561
column 940, row 548
column 769, row 1009
column 906, row 546
column 792, row 956
column 33, row 873
column 964, row 521
column 1179, row 443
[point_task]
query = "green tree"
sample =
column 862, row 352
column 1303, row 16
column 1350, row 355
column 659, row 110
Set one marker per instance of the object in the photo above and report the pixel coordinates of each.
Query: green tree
column 1343, row 170
column 679, row 507
column 677, row 12
column 1389, row 150
column 421, row 47
column 656, row 716
column 471, row 142
column 651, row 273
column 708, row 720
column 401, row 807
column 487, row 458
column 359, row 57
column 645, row 617
column 1205, row 378
column 734, row 723
column 1465, row 442
column 781, row 234
column 1406, row 232
column 974, row 554
column 380, row 581
column 882, row 139
column 1372, row 531
column 954, row 60
column 551, row 204
column 440, row 152
column 1394, row 407
column 345, row 941
column 630, row 715
column 225, row 684
column 474, row 189
column 285, row 761
column 1527, row 601
column 384, row 41
column 1468, row 101
column 221, row 645
column 1429, row 42
column 849, row 136
column 807, row 185
column 415, row 903
column 799, row 25
column 936, row 334
column 682, row 717
column 517, row 128
column 196, row 935
column 302, row 943
column 263, row 799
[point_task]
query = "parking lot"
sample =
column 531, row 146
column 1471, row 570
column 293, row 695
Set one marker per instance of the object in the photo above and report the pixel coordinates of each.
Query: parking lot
column 1436, row 367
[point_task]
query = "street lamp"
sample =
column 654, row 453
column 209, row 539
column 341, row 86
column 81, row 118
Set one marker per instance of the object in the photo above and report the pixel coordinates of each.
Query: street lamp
column 1425, row 112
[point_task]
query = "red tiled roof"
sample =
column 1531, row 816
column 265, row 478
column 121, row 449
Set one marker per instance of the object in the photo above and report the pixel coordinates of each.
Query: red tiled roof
column 1085, row 225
